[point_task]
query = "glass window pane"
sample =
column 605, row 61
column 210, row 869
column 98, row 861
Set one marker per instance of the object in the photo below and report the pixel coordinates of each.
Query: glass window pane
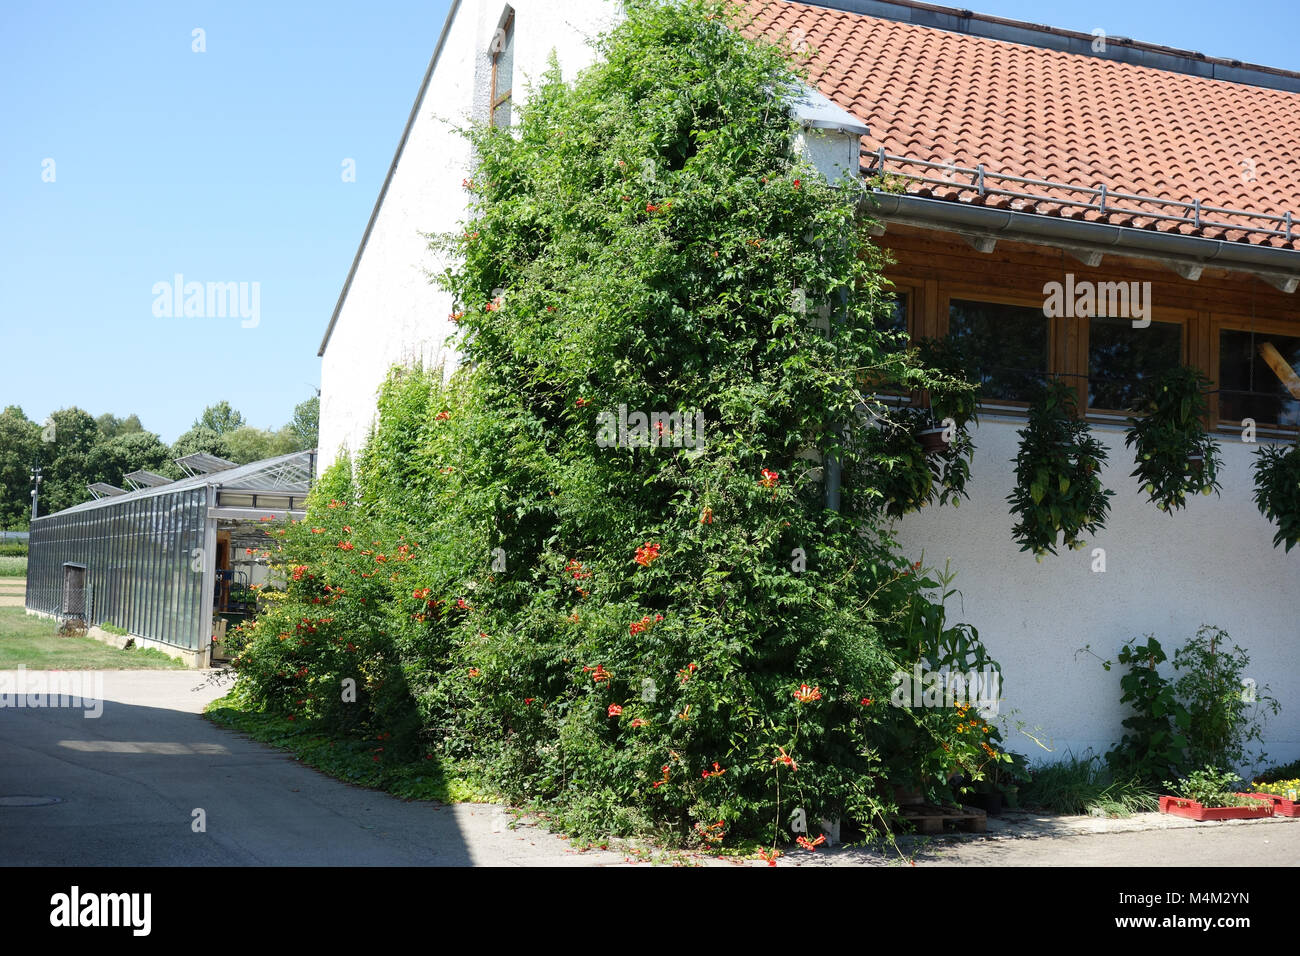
column 506, row 61
column 1248, row 386
column 503, row 76
column 1121, row 359
column 1006, row 347
column 896, row 320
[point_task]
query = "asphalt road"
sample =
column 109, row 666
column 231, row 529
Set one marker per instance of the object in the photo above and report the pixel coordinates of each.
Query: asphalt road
column 129, row 782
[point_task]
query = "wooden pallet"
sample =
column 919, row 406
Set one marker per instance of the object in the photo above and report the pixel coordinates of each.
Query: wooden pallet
column 928, row 818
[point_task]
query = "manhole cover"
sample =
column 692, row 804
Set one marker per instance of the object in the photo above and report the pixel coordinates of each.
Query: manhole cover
column 24, row 801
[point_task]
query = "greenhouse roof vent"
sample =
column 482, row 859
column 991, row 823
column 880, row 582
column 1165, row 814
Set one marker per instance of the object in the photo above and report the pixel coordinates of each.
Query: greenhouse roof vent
column 201, row 463
column 146, row 479
column 102, row 489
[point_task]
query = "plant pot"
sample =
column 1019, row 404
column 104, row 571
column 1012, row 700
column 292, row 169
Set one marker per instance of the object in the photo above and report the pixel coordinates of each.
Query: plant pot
column 1011, row 797
column 932, row 440
column 1282, row 807
column 990, row 802
column 1195, row 464
column 905, row 797
column 1182, row 807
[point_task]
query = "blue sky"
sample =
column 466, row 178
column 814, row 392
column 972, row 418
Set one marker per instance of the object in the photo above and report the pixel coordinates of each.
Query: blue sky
column 226, row 166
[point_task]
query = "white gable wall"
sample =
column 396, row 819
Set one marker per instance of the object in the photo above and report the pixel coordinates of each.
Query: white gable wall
column 391, row 312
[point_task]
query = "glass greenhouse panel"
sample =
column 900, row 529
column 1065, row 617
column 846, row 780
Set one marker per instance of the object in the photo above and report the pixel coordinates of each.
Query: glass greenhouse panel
column 140, row 564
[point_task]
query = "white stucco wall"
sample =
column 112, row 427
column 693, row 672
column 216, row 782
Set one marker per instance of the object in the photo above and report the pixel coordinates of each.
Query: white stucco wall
column 392, row 313
column 1212, row 563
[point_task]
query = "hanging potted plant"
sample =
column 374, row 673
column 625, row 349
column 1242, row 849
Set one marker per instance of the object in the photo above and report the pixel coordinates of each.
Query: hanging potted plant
column 949, row 399
column 1277, row 491
column 921, row 453
column 1058, row 494
column 1176, row 455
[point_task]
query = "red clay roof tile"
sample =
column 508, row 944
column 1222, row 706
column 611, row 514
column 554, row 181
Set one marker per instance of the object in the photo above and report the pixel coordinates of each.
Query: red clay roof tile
column 1046, row 114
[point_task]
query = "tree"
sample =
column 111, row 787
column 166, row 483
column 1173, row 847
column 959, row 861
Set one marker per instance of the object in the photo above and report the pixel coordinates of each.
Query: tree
column 127, row 452
column 306, row 424
column 19, row 438
column 64, row 451
column 110, row 426
column 220, row 418
column 249, row 444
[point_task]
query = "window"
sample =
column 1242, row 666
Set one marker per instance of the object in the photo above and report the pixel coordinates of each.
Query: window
column 1006, row 346
column 1121, row 359
column 503, row 70
column 896, row 320
column 893, row 323
column 1251, row 370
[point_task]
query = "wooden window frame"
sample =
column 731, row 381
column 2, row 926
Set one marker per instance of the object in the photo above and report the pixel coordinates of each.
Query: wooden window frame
column 1185, row 318
column 1057, row 335
column 496, row 100
column 1235, row 322
column 904, row 398
column 911, row 291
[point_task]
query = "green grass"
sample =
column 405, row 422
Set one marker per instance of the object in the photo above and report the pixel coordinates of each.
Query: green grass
column 13, row 566
column 344, row 758
column 32, row 642
column 1084, row 785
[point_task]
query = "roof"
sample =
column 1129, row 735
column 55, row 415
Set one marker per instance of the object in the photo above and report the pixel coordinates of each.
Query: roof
column 102, row 489
column 292, row 472
column 1018, row 109
column 201, row 463
column 143, row 479
column 966, row 90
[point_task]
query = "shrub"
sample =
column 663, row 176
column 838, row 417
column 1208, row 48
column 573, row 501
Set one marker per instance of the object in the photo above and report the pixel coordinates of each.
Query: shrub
column 1226, row 718
column 1155, row 745
column 648, row 636
column 1209, row 716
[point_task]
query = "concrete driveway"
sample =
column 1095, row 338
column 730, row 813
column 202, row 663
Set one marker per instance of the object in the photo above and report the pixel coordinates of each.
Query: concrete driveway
column 129, row 781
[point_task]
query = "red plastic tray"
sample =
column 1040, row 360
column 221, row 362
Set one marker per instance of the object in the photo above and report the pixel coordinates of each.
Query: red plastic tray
column 1182, row 807
column 1282, row 807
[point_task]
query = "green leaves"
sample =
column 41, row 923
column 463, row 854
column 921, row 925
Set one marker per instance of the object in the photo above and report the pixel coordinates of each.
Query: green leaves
column 1057, row 496
column 1176, row 456
column 645, row 230
column 1277, row 491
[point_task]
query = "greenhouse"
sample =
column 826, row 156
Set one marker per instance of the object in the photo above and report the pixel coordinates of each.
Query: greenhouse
column 169, row 562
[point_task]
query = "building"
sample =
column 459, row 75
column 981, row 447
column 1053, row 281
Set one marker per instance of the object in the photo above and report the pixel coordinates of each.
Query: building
column 168, row 562
column 1030, row 156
